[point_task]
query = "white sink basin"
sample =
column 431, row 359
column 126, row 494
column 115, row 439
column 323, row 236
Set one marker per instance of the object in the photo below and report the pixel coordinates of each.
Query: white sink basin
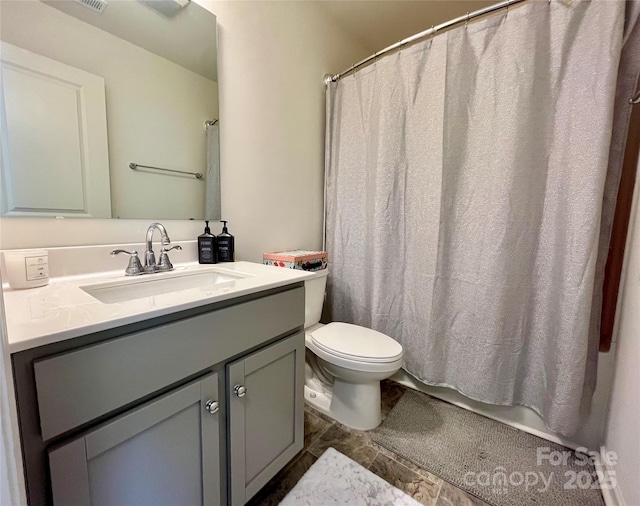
column 150, row 285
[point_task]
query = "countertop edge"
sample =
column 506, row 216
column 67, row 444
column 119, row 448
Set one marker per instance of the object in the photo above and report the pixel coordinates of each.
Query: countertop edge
column 29, row 343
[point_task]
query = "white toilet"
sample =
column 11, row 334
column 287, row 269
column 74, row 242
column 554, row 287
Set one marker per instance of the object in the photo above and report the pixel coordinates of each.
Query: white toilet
column 345, row 363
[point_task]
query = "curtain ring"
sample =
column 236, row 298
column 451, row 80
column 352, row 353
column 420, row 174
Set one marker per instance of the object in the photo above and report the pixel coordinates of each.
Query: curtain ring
column 433, row 32
column 466, row 23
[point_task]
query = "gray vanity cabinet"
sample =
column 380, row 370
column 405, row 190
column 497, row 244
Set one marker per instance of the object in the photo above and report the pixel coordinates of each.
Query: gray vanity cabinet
column 266, row 416
column 165, row 452
column 122, row 417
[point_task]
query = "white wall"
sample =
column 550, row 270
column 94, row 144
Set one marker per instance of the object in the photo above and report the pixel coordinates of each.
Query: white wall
column 272, row 110
column 155, row 108
column 622, row 433
column 272, row 57
column 12, row 491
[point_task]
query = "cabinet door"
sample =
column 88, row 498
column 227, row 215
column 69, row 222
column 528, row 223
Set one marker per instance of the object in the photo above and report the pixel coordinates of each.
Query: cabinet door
column 165, row 452
column 266, row 414
column 53, row 128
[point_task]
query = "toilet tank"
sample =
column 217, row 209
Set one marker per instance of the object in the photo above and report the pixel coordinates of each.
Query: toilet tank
column 314, row 297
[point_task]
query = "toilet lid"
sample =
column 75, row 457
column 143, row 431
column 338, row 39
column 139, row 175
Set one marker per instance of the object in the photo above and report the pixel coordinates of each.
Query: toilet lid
column 356, row 343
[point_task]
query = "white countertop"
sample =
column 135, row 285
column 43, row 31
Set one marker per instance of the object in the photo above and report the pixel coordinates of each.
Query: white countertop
column 62, row 310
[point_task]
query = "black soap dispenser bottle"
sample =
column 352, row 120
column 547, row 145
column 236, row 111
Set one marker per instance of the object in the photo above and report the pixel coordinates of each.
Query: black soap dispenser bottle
column 207, row 248
column 225, row 245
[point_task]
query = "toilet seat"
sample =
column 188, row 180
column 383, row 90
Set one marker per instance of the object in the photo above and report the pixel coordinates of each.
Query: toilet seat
column 356, row 343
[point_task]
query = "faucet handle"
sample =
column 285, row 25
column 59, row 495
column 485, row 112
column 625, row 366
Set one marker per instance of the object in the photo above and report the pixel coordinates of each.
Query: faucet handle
column 165, row 264
column 135, row 267
column 166, row 250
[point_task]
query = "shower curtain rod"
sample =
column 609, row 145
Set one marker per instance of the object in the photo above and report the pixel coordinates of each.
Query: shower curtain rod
column 431, row 31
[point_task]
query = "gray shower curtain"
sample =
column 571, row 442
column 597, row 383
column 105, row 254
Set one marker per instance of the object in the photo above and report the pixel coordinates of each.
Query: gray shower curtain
column 464, row 195
column 212, row 176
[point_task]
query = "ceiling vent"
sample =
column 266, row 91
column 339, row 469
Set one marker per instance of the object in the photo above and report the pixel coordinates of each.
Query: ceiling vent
column 94, row 5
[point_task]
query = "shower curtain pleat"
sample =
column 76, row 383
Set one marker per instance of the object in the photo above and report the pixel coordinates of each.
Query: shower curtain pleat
column 464, row 193
column 212, row 177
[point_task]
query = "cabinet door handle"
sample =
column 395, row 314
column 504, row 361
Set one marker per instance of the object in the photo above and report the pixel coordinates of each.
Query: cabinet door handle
column 212, row 407
column 240, row 390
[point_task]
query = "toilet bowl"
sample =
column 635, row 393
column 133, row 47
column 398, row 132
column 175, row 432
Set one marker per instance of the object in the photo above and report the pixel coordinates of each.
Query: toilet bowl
column 345, row 364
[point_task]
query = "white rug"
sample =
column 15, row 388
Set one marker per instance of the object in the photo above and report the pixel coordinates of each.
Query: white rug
column 336, row 479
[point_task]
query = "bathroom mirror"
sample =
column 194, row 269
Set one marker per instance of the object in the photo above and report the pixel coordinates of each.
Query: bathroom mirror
column 98, row 97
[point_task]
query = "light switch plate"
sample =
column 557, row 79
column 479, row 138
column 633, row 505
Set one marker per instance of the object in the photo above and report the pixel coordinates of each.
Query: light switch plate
column 37, row 267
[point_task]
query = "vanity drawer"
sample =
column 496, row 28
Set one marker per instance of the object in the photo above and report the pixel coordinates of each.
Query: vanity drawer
column 79, row 386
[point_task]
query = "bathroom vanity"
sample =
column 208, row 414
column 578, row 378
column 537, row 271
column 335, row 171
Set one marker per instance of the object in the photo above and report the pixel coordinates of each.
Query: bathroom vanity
column 149, row 401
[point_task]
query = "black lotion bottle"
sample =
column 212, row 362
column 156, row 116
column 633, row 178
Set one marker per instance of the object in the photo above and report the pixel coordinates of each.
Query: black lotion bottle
column 225, row 245
column 207, row 247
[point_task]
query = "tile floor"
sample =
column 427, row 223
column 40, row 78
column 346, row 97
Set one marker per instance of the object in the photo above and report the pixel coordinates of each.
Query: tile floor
column 322, row 432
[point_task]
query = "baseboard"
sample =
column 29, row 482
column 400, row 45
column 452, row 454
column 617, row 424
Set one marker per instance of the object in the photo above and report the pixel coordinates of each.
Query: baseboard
column 611, row 496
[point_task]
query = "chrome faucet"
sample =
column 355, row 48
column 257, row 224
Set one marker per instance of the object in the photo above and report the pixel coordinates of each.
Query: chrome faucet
column 135, row 267
column 149, row 256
